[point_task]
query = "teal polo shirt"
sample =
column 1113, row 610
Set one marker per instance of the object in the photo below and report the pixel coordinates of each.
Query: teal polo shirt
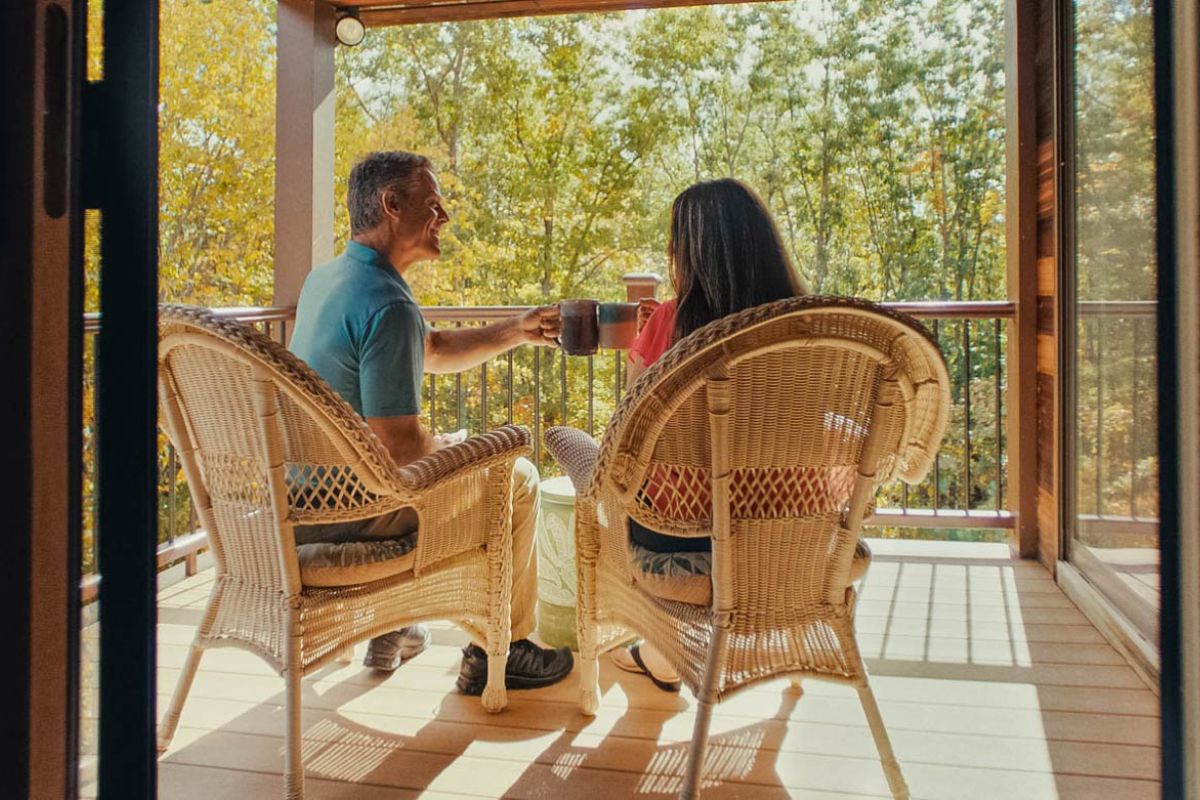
column 359, row 327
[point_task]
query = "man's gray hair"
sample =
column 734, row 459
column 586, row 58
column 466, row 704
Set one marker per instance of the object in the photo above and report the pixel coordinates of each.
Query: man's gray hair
column 375, row 173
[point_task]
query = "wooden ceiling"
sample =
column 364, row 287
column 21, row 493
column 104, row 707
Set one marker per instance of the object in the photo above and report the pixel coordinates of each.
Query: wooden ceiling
column 375, row 13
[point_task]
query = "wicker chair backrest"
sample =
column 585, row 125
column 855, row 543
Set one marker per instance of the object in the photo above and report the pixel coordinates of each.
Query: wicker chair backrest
column 803, row 378
column 239, row 396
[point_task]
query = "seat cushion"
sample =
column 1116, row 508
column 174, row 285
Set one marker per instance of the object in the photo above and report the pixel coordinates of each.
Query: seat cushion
column 686, row 577
column 351, row 563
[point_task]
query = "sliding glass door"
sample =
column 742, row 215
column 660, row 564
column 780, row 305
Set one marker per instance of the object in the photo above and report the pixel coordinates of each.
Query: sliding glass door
column 1111, row 404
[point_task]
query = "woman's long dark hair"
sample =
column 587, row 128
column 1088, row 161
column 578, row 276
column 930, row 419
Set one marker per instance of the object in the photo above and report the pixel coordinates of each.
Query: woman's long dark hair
column 726, row 254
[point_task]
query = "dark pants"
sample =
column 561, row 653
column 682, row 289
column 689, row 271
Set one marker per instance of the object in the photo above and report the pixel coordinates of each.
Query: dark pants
column 662, row 543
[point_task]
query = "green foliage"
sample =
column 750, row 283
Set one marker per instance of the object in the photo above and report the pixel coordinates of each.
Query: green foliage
column 216, row 186
column 217, row 152
column 874, row 130
column 1115, row 402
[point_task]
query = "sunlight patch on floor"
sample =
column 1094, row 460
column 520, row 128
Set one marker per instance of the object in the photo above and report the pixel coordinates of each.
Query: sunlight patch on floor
column 992, row 685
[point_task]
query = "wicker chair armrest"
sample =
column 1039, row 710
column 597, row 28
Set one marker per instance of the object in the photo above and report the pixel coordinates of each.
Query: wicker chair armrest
column 507, row 441
column 575, row 452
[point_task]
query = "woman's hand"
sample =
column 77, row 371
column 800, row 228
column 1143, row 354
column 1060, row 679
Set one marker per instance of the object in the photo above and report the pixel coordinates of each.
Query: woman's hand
column 646, row 308
column 541, row 325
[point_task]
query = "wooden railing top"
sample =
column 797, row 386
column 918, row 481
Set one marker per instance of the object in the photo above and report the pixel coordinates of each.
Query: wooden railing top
column 924, row 309
column 956, row 309
column 91, row 321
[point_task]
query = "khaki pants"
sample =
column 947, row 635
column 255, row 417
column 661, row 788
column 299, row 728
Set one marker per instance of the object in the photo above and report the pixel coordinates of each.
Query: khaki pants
column 403, row 522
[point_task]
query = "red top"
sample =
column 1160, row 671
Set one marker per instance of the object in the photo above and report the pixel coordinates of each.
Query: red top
column 663, row 483
column 655, row 337
column 670, row 488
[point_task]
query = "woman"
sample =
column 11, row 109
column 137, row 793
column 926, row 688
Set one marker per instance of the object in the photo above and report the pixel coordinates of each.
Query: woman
column 726, row 256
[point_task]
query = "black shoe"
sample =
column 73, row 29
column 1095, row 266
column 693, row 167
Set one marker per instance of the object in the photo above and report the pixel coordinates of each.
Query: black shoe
column 386, row 653
column 529, row 667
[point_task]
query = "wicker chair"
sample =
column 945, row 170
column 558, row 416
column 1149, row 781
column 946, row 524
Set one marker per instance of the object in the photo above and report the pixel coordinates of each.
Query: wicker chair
column 267, row 445
column 768, row 431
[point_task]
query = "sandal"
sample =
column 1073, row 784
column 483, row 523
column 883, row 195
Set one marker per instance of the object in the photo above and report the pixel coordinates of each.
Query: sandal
column 630, row 660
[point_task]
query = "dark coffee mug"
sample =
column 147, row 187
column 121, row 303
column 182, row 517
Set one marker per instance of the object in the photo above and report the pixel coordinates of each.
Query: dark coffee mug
column 580, row 327
column 618, row 325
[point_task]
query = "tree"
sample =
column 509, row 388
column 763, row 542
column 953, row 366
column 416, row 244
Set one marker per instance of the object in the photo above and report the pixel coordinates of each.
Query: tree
column 872, row 128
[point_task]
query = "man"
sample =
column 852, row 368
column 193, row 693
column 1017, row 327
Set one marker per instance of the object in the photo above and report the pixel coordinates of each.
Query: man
column 359, row 326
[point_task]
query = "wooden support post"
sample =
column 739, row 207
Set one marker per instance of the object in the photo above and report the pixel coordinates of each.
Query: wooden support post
column 1021, row 236
column 304, row 108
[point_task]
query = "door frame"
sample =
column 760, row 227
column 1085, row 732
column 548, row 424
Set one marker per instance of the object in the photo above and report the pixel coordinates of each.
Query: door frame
column 123, row 183
column 1177, row 105
column 41, row 325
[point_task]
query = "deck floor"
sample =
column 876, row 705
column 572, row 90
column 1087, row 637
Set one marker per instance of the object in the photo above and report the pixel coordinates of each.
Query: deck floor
column 993, row 686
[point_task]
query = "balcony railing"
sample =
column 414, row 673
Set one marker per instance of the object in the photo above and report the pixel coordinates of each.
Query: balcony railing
column 539, row 387
column 1115, row 418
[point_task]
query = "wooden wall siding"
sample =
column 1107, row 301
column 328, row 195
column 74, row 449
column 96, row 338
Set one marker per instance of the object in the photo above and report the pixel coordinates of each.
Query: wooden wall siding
column 1047, row 292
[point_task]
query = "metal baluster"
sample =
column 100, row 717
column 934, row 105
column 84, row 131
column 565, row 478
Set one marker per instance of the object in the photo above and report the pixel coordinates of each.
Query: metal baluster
column 459, row 403
column 966, row 342
column 1133, row 431
column 562, row 398
column 591, row 396
column 483, row 397
column 95, row 529
column 509, row 359
column 172, row 470
column 537, row 406
column 617, row 378
column 937, row 458
column 999, row 416
column 433, row 402
column 1099, row 416
column 458, row 395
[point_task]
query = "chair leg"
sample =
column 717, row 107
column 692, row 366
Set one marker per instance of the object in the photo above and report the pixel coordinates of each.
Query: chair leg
column 495, row 696
column 589, row 684
column 797, row 682
column 887, row 756
column 704, row 710
column 346, row 656
column 293, row 763
column 586, row 624
column 498, row 640
column 695, row 763
column 166, row 729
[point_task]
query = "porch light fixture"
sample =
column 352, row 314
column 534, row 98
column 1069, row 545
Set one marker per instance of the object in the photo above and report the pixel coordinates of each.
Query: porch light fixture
column 349, row 30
